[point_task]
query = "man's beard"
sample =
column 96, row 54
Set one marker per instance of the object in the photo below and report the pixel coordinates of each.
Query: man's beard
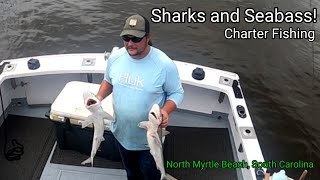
column 138, row 53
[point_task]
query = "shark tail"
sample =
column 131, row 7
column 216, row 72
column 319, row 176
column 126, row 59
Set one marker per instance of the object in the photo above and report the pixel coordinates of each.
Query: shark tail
column 168, row 177
column 89, row 160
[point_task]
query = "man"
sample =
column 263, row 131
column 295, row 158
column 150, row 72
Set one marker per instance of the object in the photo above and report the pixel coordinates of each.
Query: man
column 138, row 76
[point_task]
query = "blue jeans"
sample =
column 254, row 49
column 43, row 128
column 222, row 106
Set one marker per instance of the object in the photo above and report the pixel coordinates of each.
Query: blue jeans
column 139, row 165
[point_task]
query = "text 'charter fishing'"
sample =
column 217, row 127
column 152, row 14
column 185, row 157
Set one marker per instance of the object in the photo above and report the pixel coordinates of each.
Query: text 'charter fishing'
column 250, row 16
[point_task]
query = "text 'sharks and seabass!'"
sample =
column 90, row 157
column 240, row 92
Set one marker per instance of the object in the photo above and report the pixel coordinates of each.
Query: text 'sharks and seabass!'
column 275, row 16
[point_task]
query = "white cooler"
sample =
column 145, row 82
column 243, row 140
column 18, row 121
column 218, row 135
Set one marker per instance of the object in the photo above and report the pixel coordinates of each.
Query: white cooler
column 70, row 102
column 68, row 111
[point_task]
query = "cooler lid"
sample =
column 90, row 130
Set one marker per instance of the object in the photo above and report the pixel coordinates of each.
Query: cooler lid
column 69, row 103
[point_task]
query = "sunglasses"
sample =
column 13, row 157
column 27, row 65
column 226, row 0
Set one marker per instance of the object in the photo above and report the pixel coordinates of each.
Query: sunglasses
column 133, row 39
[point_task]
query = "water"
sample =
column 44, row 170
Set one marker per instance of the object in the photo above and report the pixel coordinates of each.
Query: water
column 280, row 78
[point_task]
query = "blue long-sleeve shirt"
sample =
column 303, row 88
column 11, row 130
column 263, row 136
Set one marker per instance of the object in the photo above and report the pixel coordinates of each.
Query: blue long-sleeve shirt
column 137, row 85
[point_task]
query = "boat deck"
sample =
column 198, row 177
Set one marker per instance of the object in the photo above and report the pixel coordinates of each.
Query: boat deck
column 37, row 137
column 193, row 137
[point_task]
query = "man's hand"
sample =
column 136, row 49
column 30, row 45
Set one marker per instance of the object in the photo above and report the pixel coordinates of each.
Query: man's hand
column 165, row 119
column 168, row 107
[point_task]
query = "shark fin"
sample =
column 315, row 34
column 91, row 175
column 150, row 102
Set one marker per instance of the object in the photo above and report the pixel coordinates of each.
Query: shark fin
column 89, row 160
column 87, row 122
column 165, row 132
column 107, row 122
column 143, row 124
column 106, row 115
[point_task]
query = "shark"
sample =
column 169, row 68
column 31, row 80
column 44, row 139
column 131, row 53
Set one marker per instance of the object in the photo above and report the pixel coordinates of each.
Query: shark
column 154, row 135
column 99, row 118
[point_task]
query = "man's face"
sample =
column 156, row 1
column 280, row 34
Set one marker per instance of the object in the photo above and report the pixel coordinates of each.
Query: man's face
column 134, row 48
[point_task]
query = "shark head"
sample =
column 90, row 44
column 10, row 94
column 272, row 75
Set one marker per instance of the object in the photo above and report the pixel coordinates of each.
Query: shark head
column 91, row 102
column 155, row 115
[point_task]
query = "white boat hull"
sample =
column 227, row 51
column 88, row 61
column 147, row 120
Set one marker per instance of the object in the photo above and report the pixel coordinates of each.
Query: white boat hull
column 214, row 93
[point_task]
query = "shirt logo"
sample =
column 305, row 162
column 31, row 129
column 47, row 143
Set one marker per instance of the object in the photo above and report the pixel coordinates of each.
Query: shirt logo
column 135, row 82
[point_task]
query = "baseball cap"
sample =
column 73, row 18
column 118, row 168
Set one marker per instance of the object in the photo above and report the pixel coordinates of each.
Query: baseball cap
column 136, row 25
